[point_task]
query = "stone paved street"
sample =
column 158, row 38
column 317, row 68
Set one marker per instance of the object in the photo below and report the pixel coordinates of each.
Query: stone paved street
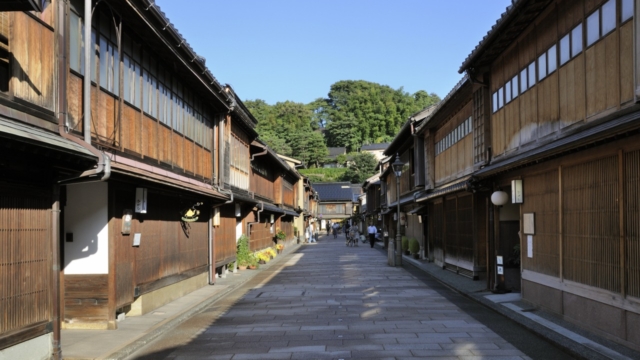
column 329, row 301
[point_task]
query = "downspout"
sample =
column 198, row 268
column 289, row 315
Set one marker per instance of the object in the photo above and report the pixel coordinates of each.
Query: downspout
column 86, row 85
column 212, row 248
column 221, row 152
column 104, row 162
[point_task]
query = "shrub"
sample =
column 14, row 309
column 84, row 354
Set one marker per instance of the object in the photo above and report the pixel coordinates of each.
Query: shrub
column 243, row 255
column 405, row 243
column 414, row 246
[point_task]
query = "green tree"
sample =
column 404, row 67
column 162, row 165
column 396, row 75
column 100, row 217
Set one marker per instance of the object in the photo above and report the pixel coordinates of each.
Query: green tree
column 362, row 166
column 361, row 112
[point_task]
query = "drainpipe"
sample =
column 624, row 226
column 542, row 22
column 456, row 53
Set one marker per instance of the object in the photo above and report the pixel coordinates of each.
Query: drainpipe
column 104, row 162
column 86, row 88
column 212, row 249
column 221, row 152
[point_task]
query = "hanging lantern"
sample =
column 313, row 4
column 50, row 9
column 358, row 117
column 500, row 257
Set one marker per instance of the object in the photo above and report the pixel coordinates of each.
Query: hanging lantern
column 499, row 198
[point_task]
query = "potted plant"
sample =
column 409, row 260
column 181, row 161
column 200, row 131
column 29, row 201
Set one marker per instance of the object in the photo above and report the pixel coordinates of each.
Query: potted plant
column 414, row 248
column 280, row 235
column 243, row 255
column 279, row 248
column 271, row 252
column 263, row 257
column 405, row 245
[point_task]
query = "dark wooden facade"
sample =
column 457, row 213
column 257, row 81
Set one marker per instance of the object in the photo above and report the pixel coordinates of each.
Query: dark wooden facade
column 563, row 120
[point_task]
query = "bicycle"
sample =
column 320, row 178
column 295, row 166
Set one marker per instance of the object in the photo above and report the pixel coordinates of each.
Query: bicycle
column 352, row 239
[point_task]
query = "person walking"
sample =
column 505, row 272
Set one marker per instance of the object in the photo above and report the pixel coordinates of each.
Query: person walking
column 335, row 226
column 312, row 238
column 372, row 234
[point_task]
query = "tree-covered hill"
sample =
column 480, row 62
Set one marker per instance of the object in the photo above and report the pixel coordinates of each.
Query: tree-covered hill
column 355, row 113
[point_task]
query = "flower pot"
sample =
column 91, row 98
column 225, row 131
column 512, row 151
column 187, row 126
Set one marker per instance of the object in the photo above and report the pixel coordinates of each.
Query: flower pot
column 279, row 251
column 262, row 262
column 242, row 267
column 252, row 267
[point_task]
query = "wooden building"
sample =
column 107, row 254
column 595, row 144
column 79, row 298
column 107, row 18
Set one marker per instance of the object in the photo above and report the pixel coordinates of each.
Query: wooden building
column 556, row 83
column 114, row 178
column 336, row 201
column 455, row 222
column 409, row 149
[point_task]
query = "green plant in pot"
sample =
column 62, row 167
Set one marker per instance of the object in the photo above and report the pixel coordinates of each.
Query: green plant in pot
column 414, row 247
column 243, row 255
column 405, row 245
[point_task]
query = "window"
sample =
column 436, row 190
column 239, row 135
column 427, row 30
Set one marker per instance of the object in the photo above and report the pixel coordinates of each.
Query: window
column 601, row 22
column 547, row 63
column 593, row 28
column 500, row 98
column 523, row 80
column 532, row 74
column 109, row 57
column 552, row 59
column 507, row 92
column 455, row 135
column 514, row 87
column 576, row 41
column 495, row 101
column 626, row 12
column 542, row 66
column 565, row 50
column 608, row 17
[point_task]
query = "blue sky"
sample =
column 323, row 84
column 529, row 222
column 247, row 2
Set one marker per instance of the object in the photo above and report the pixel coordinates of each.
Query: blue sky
column 279, row 50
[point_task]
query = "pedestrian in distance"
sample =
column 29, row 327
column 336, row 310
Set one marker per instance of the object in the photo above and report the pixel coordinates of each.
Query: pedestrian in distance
column 372, row 234
column 312, row 238
column 335, row 227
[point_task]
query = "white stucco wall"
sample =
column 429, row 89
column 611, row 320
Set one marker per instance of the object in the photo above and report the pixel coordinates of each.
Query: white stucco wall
column 86, row 216
column 238, row 229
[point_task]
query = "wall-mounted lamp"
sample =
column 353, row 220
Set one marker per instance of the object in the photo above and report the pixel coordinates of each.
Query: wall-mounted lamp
column 238, row 210
column 517, row 196
column 499, row 198
column 271, row 219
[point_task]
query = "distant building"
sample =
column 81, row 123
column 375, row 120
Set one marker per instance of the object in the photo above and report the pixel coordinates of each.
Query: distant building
column 332, row 158
column 376, row 149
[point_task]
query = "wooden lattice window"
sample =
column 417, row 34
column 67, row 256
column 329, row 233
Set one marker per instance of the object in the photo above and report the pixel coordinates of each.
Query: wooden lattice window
column 479, row 154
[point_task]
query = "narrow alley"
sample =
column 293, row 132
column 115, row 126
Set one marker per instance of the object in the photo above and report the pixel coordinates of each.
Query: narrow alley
column 328, row 301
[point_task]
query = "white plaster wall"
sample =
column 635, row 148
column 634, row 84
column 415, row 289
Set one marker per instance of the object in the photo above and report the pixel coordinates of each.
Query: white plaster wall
column 238, row 229
column 39, row 348
column 85, row 215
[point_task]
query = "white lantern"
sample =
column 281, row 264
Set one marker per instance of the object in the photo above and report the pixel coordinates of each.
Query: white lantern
column 499, row 198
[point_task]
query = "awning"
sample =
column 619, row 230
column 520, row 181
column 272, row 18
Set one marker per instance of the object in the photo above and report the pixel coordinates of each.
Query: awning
column 290, row 213
column 459, row 185
column 599, row 132
column 419, row 210
column 273, row 208
column 40, row 137
column 404, row 200
column 244, row 198
column 154, row 174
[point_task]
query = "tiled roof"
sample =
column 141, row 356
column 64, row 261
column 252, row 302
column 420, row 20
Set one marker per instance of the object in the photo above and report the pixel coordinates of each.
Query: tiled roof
column 374, row 146
column 339, row 191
